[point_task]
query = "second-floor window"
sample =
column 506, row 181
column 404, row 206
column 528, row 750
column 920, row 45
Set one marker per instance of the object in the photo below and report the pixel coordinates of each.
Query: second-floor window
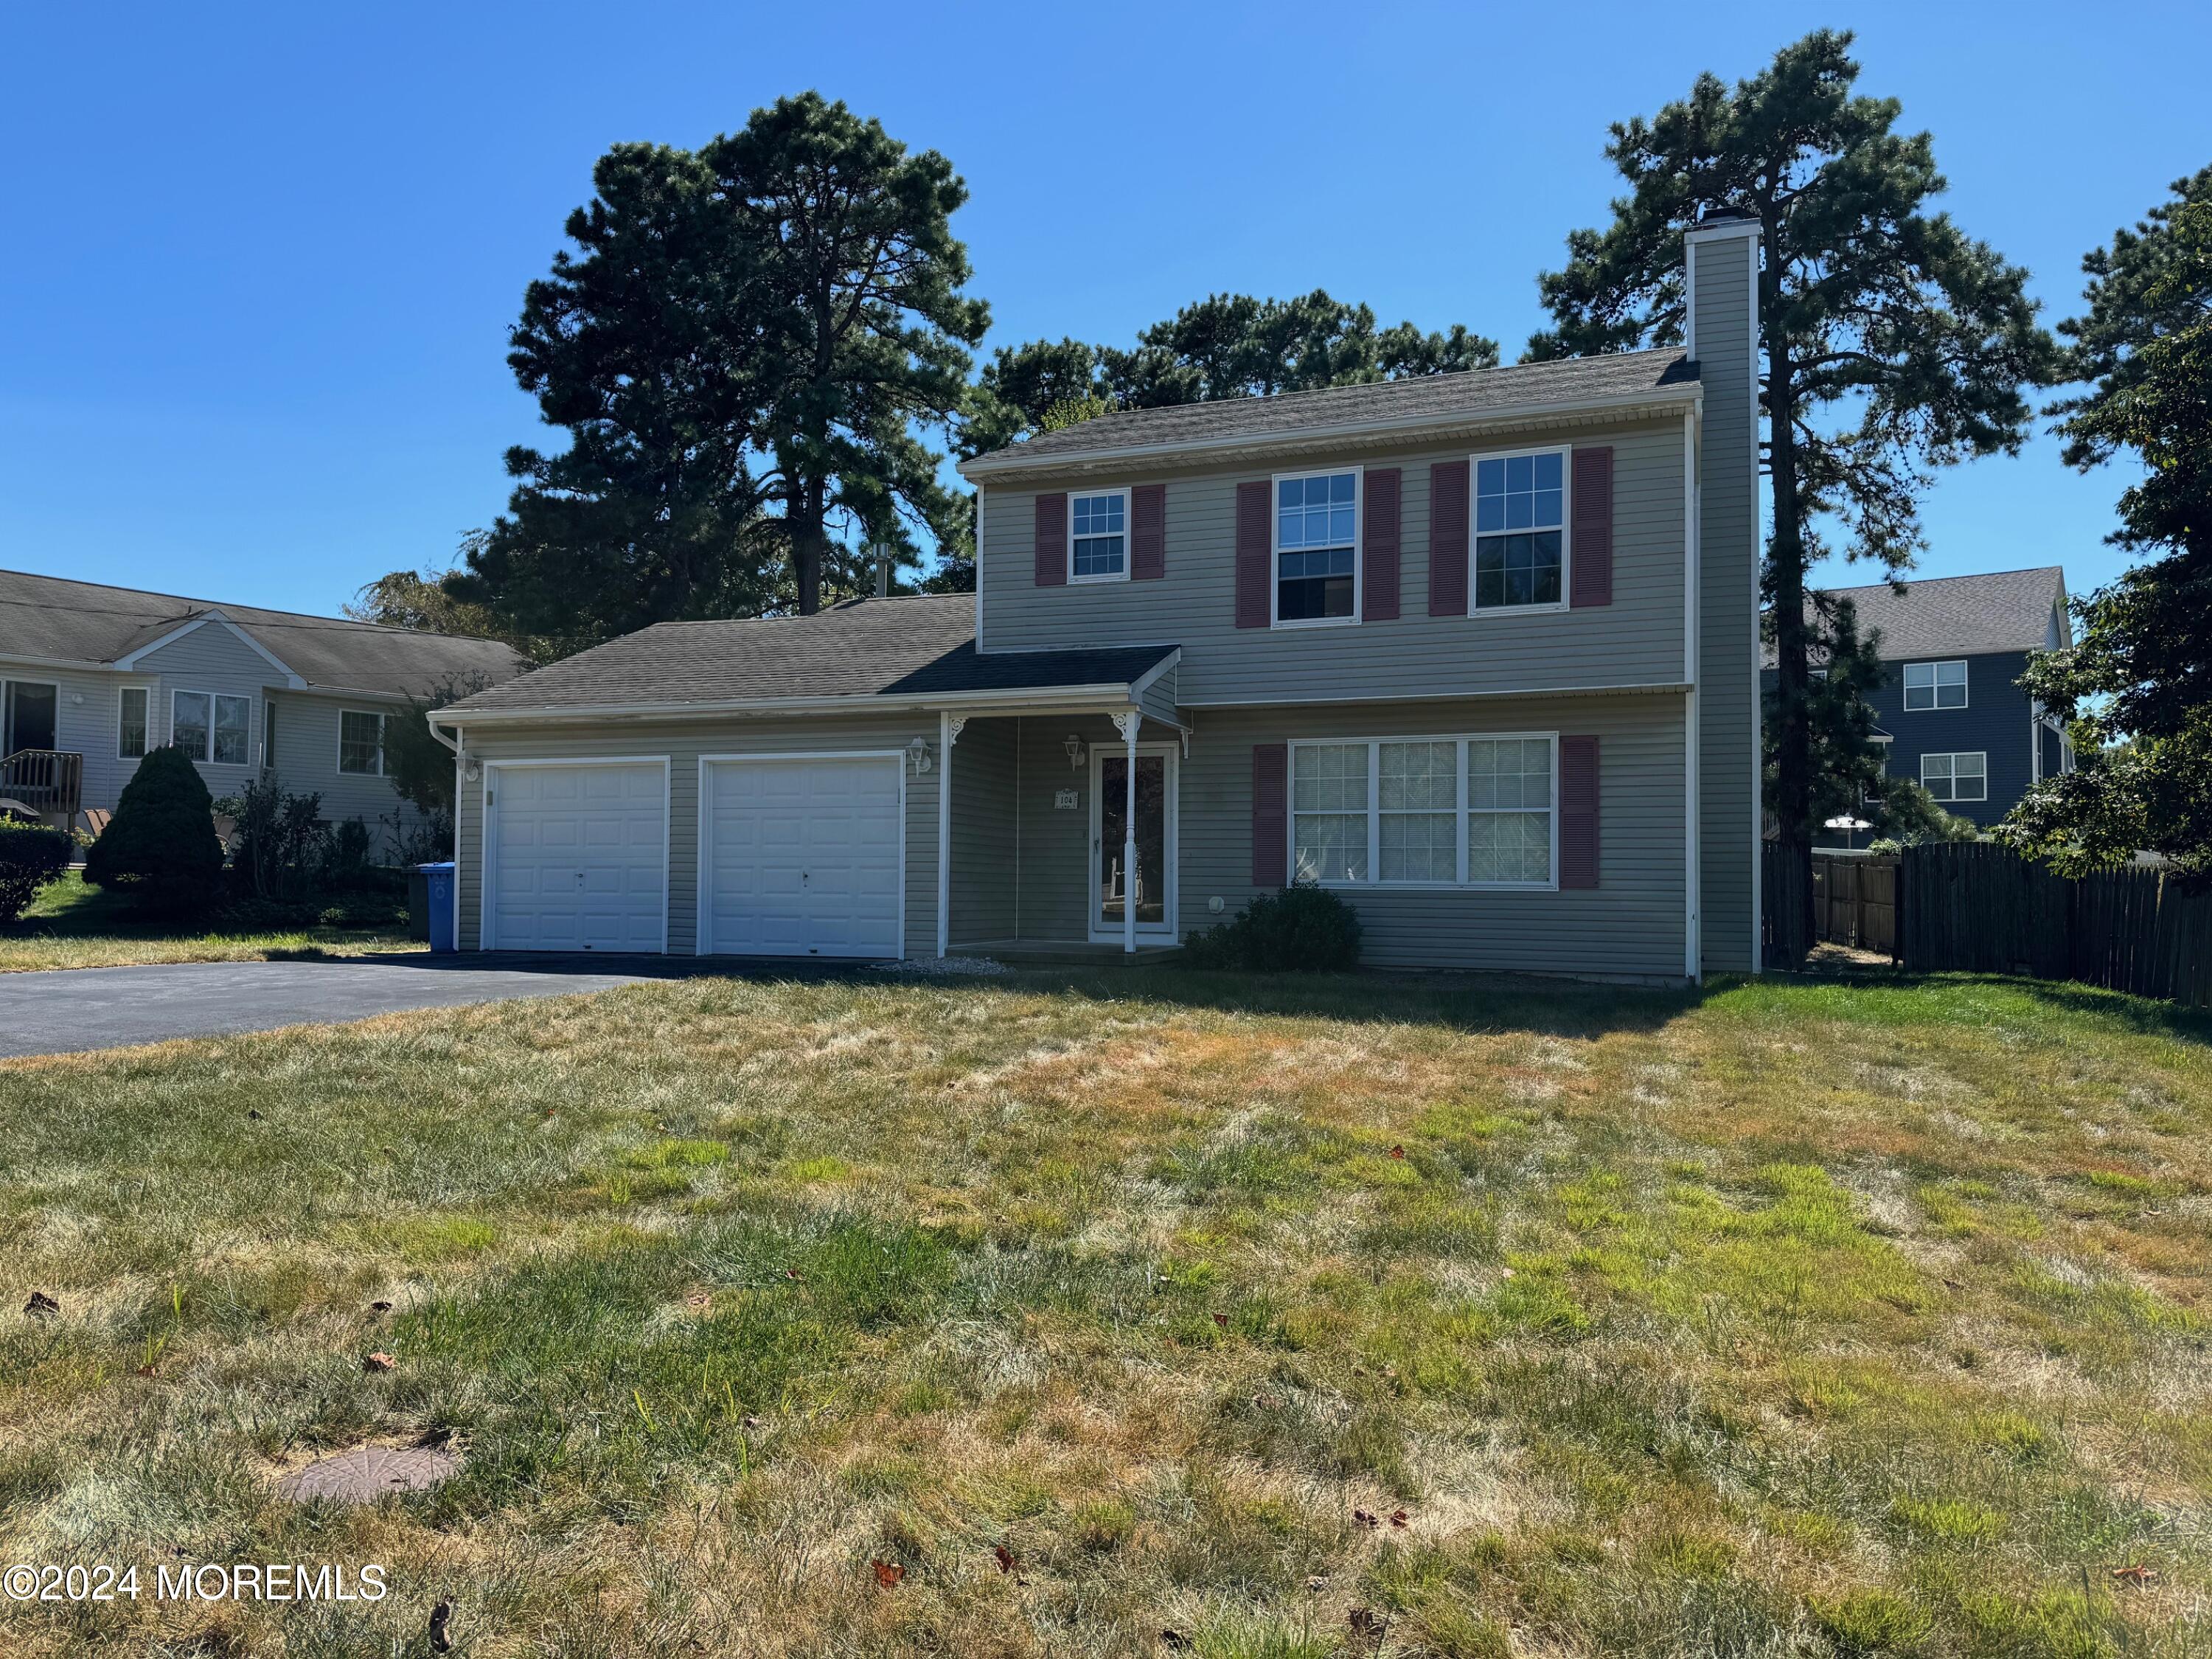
column 211, row 726
column 1956, row 777
column 1316, row 536
column 1934, row 685
column 1098, row 536
column 1520, row 530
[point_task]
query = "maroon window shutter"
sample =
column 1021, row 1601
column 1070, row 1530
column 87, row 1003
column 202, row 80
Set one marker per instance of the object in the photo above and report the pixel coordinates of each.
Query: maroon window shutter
column 1593, row 573
column 1271, row 791
column 1379, row 548
column 1148, row 532
column 1052, row 541
column 1578, row 840
column 1447, row 544
column 1253, row 546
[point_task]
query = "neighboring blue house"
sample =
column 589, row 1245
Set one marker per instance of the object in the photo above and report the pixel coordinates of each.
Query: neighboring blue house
column 1952, row 710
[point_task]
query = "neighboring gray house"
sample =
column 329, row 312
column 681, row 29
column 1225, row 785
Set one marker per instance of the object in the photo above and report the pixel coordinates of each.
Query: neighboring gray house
column 93, row 676
column 1478, row 651
column 1951, row 712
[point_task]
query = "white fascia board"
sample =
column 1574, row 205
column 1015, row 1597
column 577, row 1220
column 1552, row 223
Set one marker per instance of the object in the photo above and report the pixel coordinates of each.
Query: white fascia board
column 1620, row 405
column 1117, row 694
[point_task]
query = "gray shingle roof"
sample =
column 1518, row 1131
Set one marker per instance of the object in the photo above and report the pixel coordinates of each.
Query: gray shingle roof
column 1959, row 616
column 1439, row 398
column 919, row 647
column 52, row 617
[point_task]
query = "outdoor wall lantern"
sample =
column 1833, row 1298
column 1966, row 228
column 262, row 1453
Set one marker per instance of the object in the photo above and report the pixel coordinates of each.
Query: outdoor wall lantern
column 1074, row 747
column 473, row 771
column 919, row 749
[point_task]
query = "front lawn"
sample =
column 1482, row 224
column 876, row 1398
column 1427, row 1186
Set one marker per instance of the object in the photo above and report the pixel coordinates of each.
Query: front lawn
column 69, row 925
column 1247, row 1318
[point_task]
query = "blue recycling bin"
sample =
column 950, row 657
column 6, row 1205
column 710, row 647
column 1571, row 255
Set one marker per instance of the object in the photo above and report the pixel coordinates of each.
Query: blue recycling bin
column 440, row 879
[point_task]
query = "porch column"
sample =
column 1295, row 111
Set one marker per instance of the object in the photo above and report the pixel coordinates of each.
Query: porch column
column 944, row 831
column 1126, row 725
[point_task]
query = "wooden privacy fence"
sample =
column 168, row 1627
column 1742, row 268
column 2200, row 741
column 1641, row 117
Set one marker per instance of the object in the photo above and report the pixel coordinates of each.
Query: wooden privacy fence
column 1855, row 900
column 1785, row 876
column 1981, row 908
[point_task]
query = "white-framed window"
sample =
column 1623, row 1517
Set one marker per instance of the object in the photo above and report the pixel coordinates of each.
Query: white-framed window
column 1956, row 777
column 1098, row 536
column 360, row 743
column 1520, row 532
column 131, row 713
column 212, row 726
column 1316, row 549
column 1934, row 685
column 1434, row 812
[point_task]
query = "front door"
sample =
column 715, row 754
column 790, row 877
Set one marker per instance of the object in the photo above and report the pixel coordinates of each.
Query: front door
column 1150, row 885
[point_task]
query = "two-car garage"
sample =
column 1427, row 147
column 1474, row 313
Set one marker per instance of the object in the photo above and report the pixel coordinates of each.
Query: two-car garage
column 797, row 856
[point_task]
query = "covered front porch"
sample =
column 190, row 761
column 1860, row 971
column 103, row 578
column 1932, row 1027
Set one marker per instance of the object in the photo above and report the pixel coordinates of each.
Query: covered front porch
column 1058, row 831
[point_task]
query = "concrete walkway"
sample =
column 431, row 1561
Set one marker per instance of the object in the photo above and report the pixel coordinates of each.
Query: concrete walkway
column 80, row 1008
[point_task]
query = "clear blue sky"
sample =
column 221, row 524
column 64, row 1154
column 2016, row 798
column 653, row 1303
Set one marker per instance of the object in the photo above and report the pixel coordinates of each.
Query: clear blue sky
column 259, row 262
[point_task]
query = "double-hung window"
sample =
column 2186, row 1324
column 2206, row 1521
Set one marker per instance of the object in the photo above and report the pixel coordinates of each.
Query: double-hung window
column 1098, row 536
column 1956, row 777
column 1477, row 812
column 210, row 726
column 1934, row 685
column 131, row 723
column 1520, row 530
column 1316, row 536
column 360, row 743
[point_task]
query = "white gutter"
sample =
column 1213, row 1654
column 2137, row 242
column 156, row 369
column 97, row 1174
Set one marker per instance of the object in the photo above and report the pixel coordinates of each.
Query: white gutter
column 1046, row 698
column 1013, row 460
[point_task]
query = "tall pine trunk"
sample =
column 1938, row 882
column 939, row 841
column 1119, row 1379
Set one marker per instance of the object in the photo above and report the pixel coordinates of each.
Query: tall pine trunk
column 807, row 512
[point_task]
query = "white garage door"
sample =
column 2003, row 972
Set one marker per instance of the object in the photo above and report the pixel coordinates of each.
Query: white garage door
column 579, row 858
column 802, row 857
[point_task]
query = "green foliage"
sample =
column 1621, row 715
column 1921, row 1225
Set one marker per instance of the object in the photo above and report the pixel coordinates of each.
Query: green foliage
column 31, row 855
column 419, row 767
column 161, row 847
column 280, row 839
column 1910, row 817
column 1301, row 929
column 2137, row 683
column 420, row 600
column 1227, row 345
column 1893, row 342
column 764, row 323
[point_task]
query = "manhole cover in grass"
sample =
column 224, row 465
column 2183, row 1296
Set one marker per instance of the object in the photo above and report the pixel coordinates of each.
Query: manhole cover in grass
column 364, row 1476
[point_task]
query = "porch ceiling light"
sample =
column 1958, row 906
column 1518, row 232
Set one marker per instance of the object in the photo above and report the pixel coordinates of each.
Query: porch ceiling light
column 1074, row 747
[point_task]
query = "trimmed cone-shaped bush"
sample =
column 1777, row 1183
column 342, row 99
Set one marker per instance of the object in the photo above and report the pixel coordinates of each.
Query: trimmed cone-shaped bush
column 161, row 847
column 31, row 855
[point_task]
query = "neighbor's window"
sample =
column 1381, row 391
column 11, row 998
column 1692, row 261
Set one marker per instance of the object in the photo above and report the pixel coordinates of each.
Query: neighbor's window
column 1099, row 530
column 1508, row 809
column 1956, row 777
column 1519, row 529
column 360, row 743
column 1317, row 528
column 234, row 730
column 188, row 722
column 1934, row 685
column 131, row 723
column 1389, row 810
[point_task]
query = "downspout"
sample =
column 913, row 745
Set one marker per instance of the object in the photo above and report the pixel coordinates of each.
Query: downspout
column 459, row 746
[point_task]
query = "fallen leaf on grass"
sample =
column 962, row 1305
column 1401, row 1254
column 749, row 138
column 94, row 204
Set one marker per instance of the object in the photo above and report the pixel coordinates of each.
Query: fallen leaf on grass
column 1366, row 1520
column 41, row 1306
column 379, row 1307
column 1397, row 1152
column 1399, row 1518
column 1365, row 1623
column 888, row 1574
column 440, row 1616
column 1006, row 1557
column 2135, row 1574
column 1222, row 1319
column 377, row 1361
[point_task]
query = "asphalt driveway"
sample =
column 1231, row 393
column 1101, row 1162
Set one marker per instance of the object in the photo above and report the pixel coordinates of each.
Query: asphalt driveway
column 80, row 1008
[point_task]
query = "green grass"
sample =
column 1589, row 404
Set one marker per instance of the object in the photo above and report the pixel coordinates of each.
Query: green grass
column 69, row 925
column 1297, row 1318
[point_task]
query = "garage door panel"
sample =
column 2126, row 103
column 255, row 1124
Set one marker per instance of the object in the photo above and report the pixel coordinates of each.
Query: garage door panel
column 803, row 857
column 580, row 857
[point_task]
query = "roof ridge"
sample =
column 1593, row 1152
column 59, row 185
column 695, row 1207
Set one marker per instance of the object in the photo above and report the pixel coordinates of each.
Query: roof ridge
column 281, row 618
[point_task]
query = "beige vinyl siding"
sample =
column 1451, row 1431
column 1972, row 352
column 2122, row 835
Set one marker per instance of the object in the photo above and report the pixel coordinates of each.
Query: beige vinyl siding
column 984, row 841
column 1632, row 924
column 1158, row 704
column 1727, row 684
column 87, row 709
column 1635, row 640
column 1056, row 870
column 214, row 659
column 683, row 742
column 307, row 761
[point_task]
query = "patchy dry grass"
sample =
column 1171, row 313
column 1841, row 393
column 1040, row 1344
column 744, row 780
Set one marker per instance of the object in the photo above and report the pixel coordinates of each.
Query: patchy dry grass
column 1345, row 1317
column 69, row 925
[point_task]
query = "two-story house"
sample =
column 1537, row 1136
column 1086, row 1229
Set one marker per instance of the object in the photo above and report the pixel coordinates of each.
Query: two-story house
column 1478, row 651
column 1951, row 711
column 92, row 677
